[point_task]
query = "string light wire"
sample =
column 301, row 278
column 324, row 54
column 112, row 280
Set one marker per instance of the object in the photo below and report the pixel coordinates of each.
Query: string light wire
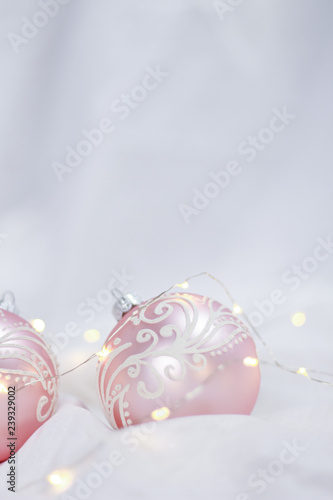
column 273, row 360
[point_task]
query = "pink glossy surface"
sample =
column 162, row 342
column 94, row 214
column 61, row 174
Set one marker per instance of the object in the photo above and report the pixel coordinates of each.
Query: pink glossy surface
column 180, row 343
column 24, row 358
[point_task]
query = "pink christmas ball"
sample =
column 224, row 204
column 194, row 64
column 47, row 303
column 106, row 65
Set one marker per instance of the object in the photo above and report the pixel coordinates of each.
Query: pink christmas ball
column 24, row 358
column 178, row 355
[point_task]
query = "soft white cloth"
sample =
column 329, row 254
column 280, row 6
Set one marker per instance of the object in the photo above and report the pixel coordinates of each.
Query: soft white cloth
column 232, row 457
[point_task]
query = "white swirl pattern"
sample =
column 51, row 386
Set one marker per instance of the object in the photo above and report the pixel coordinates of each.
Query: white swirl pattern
column 18, row 342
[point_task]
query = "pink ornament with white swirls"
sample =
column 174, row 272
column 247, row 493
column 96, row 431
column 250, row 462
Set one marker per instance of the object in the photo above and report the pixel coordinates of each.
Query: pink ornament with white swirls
column 24, row 359
column 182, row 353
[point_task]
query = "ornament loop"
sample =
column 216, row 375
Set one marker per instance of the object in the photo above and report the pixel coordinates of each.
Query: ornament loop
column 7, row 302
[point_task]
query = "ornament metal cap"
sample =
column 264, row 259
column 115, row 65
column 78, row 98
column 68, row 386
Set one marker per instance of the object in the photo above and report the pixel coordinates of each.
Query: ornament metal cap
column 125, row 302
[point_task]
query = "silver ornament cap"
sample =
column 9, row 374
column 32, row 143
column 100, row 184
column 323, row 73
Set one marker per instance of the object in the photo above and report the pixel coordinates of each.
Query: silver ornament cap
column 125, row 302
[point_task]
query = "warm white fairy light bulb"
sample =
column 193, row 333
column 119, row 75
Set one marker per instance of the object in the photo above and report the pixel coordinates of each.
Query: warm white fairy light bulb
column 302, row 371
column 160, row 413
column 250, row 361
column 91, row 336
column 104, row 352
column 54, row 478
column 60, row 479
column 298, row 319
column 38, row 325
column 182, row 285
column 237, row 309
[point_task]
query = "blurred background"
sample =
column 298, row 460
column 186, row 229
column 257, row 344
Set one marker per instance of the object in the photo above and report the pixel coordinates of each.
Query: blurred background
column 143, row 142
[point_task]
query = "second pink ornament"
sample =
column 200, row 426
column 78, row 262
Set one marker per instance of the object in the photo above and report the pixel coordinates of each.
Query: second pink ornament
column 179, row 355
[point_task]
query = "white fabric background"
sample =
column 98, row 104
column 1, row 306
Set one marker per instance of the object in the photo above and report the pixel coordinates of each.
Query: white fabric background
column 62, row 242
